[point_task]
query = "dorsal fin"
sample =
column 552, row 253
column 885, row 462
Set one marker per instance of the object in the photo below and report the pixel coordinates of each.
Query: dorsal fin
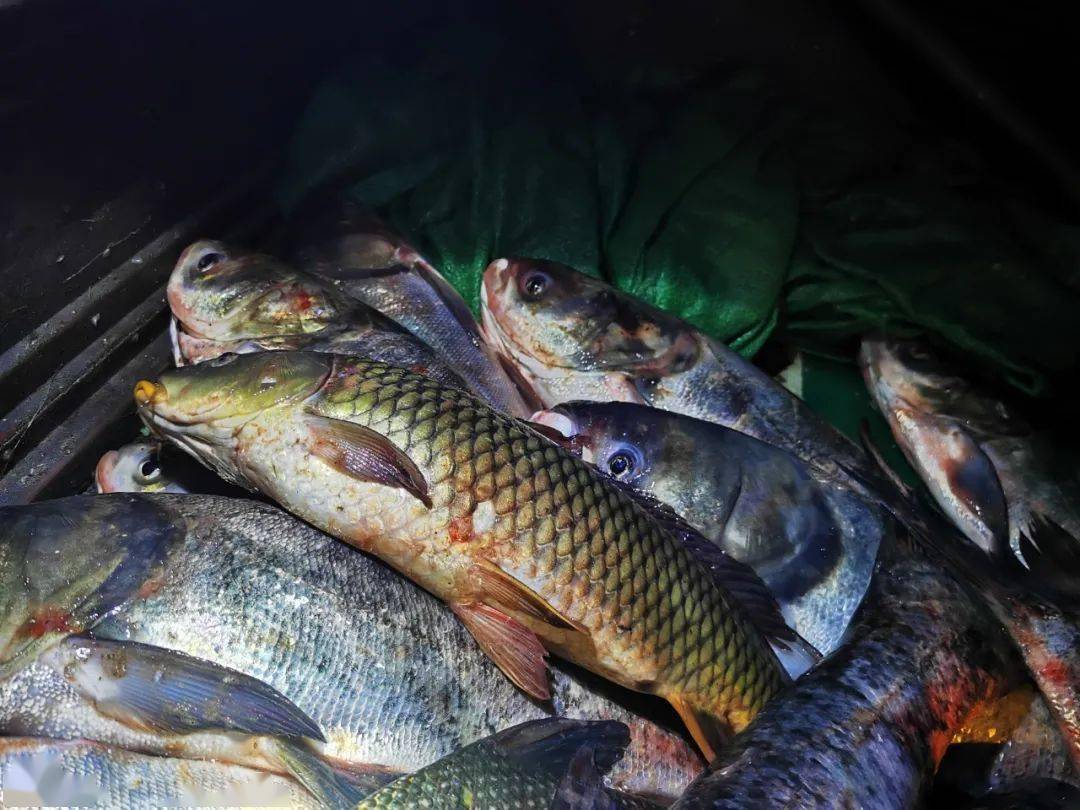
column 736, row 578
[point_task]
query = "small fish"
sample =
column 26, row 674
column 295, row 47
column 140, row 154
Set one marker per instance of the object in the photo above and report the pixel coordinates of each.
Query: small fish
column 78, row 773
column 543, row 763
column 134, row 467
column 366, row 259
column 867, row 726
column 811, row 539
column 218, row 623
column 992, row 473
column 226, row 301
column 574, row 337
column 532, row 548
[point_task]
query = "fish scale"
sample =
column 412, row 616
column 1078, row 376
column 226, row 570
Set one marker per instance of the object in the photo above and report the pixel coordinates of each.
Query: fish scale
column 584, row 546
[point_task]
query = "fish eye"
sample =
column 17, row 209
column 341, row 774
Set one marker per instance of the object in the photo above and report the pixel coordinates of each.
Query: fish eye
column 621, row 464
column 208, row 260
column 533, row 285
column 149, row 470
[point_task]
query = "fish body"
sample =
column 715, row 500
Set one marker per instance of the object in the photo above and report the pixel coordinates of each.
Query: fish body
column 811, row 539
column 532, row 765
column 530, row 546
column 867, row 727
column 367, row 260
column 989, row 471
column 385, row 672
column 134, row 468
column 78, row 773
column 224, row 300
column 574, row 337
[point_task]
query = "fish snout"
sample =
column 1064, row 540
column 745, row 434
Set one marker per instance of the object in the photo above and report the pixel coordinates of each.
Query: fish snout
column 103, row 473
column 149, row 393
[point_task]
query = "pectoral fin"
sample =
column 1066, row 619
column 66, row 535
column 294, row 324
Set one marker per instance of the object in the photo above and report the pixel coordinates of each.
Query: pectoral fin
column 514, row 648
column 169, row 691
column 709, row 732
column 365, row 455
column 331, row 787
column 506, row 591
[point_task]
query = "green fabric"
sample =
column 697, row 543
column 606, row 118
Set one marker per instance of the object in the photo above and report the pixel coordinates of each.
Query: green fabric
column 713, row 197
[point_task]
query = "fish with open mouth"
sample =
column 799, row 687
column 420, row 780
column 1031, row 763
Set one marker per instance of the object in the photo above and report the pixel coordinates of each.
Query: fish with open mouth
column 811, row 539
column 991, row 472
column 532, row 548
column 368, row 260
column 134, row 468
column 227, row 301
column 226, row 629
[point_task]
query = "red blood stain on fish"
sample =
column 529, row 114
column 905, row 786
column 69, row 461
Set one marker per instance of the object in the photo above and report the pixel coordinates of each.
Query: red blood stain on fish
column 50, row 619
column 418, row 368
column 1056, row 672
column 461, row 529
column 303, row 301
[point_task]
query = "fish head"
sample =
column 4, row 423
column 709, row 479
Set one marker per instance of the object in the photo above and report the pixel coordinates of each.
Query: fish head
column 132, row 468
column 555, row 323
column 640, row 446
column 222, row 298
column 910, row 374
column 202, row 408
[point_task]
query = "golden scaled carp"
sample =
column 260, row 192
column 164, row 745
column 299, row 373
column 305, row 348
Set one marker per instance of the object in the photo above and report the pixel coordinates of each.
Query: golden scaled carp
column 531, row 547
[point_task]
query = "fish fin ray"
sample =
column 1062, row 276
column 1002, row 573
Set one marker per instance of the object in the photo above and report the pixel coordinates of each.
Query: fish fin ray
column 507, row 591
column 365, row 455
column 709, row 732
column 330, row 786
column 174, row 692
column 874, row 452
column 514, row 648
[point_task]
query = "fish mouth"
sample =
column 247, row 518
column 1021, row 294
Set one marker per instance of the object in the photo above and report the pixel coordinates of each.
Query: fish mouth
column 559, row 424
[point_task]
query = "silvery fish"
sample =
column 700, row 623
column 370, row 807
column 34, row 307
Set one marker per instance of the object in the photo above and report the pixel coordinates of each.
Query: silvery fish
column 224, row 300
column 262, row 626
column 78, row 773
column 134, row 467
column 370, row 262
column 868, row 726
column 533, row 549
column 810, row 538
column 995, row 476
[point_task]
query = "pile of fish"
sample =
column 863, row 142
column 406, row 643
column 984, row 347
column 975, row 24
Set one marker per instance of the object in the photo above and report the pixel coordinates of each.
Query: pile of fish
column 581, row 556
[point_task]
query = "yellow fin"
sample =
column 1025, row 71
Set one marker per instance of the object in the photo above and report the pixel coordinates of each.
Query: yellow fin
column 501, row 588
column 709, row 732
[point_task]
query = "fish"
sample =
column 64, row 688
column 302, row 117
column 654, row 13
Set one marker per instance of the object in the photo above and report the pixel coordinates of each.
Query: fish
column 553, row 762
column 575, row 337
column 381, row 677
column 533, row 549
column 867, row 726
column 812, row 539
column 134, row 467
column 365, row 258
column 994, row 475
column 80, row 773
column 224, row 300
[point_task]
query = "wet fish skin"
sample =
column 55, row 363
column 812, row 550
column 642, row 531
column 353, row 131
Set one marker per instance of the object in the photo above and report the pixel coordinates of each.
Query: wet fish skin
column 486, row 499
column 990, row 471
column 388, row 674
column 134, row 468
column 77, row 773
column 225, row 300
column 575, row 337
column 868, row 725
column 369, row 261
column 811, row 539
column 531, row 765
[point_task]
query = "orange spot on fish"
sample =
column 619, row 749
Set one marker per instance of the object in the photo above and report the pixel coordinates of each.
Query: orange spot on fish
column 461, row 529
column 1056, row 672
column 303, row 301
column 151, row 586
column 418, row 368
column 50, row 619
